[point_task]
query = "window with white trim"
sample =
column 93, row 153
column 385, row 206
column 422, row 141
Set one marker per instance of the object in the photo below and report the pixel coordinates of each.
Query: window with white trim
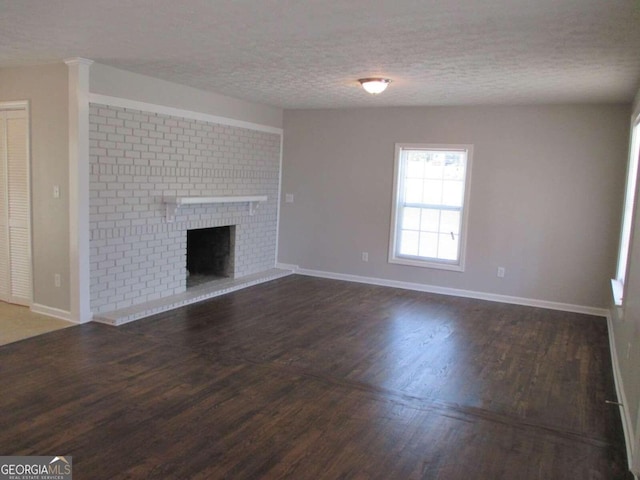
column 431, row 197
column 627, row 213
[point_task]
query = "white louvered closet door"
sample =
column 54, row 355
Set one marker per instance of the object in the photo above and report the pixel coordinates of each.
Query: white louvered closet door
column 15, row 235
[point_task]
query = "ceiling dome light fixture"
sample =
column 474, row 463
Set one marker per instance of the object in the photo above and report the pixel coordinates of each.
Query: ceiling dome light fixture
column 374, row 85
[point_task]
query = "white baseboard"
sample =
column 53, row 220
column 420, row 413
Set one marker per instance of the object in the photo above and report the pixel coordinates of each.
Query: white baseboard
column 420, row 287
column 52, row 312
column 287, row 266
column 627, row 424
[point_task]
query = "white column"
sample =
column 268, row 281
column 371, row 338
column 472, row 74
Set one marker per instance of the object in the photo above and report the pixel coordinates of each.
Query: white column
column 79, row 188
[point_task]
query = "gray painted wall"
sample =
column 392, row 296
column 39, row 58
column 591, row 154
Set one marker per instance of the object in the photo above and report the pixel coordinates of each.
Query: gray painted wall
column 546, row 191
column 46, row 89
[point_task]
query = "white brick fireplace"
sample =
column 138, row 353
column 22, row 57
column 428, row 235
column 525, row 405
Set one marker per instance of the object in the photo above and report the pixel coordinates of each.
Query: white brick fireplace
column 140, row 158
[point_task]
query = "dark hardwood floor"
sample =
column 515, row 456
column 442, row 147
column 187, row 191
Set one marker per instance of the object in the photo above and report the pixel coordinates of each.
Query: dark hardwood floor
column 307, row 378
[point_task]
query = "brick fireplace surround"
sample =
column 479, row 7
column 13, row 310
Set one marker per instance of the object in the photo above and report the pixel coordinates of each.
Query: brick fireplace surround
column 137, row 158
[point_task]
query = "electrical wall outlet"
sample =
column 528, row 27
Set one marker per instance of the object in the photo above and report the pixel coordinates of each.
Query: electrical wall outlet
column 501, row 272
column 288, row 197
column 56, row 280
column 365, row 256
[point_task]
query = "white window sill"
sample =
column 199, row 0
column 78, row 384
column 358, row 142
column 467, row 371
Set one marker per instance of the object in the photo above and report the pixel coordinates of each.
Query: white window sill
column 616, row 289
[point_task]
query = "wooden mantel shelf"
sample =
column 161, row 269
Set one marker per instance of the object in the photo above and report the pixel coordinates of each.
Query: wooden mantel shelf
column 174, row 203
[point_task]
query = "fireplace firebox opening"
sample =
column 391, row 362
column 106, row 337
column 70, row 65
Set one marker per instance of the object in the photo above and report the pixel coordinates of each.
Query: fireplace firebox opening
column 210, row 254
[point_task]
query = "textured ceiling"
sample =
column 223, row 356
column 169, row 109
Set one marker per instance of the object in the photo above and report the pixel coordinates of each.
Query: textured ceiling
column 309, row 53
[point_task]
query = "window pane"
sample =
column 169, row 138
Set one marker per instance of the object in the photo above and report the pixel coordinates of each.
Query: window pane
column 448, row 246
column 415, row 168
column 632, row 174
column 434, row 166
column 428, row 245
column 413, row 191
column 454, row 166
column 430, row 220
column 420, row 155
column 411, row 219
column 432, row 192
column 450, row 222
column 452, row 193
column 409, row 242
